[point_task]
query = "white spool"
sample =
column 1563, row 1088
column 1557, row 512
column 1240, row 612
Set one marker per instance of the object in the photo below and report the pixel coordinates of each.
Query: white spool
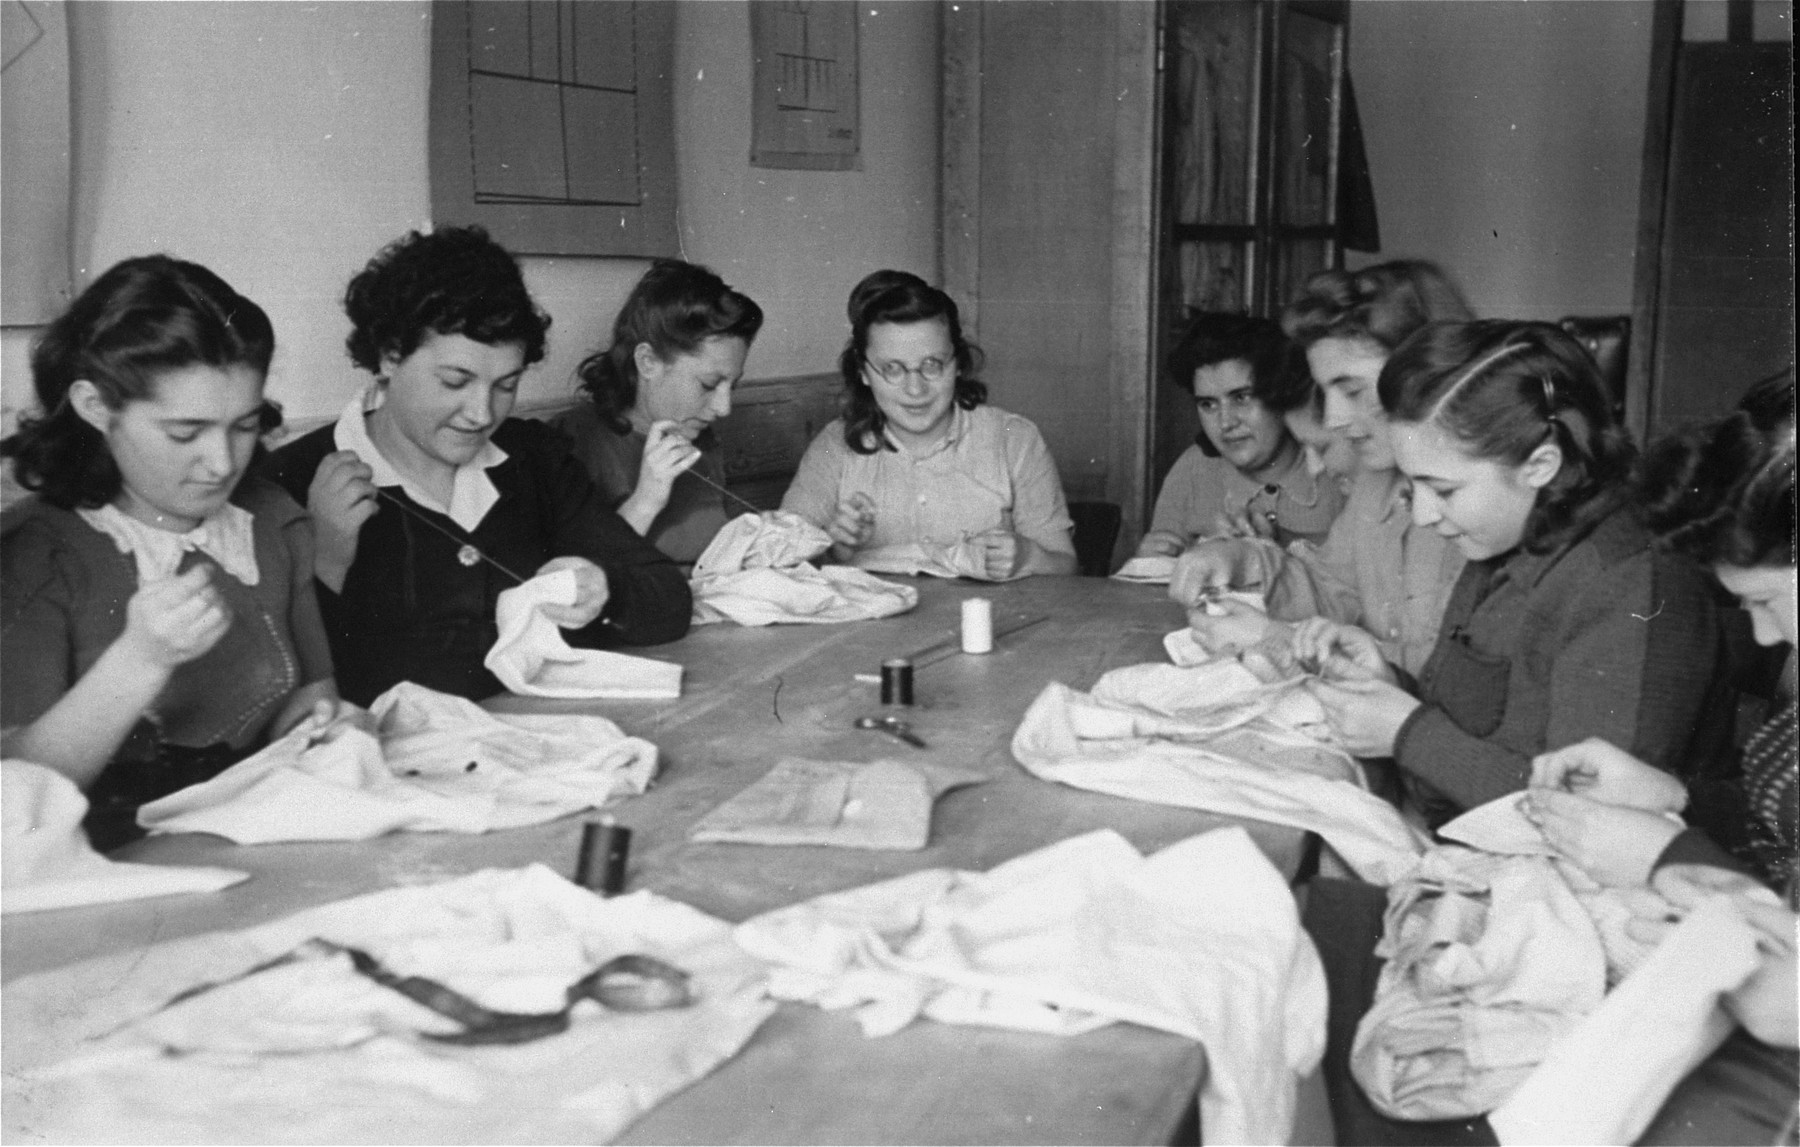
column 978, row 625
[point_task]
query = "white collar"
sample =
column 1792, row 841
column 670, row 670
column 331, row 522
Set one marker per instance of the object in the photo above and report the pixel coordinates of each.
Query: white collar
column 227, row 536
column 472, row 492
column 959, row 425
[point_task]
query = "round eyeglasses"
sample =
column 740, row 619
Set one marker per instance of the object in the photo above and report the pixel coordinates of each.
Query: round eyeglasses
column 894, row 373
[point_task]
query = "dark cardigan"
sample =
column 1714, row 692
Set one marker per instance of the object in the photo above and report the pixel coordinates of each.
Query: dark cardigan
column 1603, row 636
column 411, row 611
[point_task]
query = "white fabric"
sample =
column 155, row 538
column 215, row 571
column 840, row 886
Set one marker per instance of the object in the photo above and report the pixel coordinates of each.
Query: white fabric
column 934, row 559
column 883, row 804
column 1214, row 761
column 1667, row 1014
column 441, row 764
column 472, row 492
column 227, row 536
column 314, row 1053
column 1489, row 961
column 757, row 571
column 1201, row 939
column 47, row 862
column 1153, row 570
column 531, row 658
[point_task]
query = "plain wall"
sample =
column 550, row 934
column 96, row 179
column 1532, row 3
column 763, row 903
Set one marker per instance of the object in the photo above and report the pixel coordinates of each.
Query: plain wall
column 1505, row 140
column 283, row 144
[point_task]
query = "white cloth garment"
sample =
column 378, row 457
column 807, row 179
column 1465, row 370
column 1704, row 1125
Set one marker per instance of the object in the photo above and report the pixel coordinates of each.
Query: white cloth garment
column 1201, row 939
column 883, row 804
column 1667, row 1013
column 47, row 861
column 1213, row 759
column 313, row 1052
column 758, row 571
column 472, row 492
column 531, row 658
column 227, row 536
column 439, row 764
column 1489, row 961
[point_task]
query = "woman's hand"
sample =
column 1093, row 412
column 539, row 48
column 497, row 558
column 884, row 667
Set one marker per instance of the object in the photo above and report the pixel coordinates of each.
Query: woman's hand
column 854, row 523
column 1242, row 524
column 174, row 621
column 1003, row 553
column 667, row 455
column 317, row 707
column 340, row 499
column 1227, row 628
column 1161, row 544
column 1210, row 567
column 1340, row 652
column 1766, row 1003
column 1616, row 846
column 591, row 592
column 1601, row 771
column 1365, row 715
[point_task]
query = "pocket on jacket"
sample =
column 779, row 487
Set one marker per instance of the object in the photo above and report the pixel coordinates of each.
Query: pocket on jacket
column 1470, row 686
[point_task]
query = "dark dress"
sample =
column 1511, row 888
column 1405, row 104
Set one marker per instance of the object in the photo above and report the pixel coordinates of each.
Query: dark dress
column 411, row 610
column 63, row 595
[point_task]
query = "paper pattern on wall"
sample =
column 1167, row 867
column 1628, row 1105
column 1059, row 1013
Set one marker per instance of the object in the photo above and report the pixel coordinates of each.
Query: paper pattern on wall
column 804, row 85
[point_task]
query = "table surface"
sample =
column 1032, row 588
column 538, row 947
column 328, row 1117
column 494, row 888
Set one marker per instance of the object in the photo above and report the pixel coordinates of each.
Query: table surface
column 749, row 698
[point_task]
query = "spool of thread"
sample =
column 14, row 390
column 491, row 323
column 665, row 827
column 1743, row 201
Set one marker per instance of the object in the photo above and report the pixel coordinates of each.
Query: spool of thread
column 978, row 625
column 605, row 849
column 897, row 682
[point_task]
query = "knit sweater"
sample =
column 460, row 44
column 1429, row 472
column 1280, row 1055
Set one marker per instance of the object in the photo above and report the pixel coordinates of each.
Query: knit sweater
column 1603, row 636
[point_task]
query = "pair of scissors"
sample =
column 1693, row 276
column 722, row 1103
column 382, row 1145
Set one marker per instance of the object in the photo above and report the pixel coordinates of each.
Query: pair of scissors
column 893, row 726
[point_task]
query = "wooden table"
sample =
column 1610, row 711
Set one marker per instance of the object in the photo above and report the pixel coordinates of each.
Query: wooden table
column 751, row 697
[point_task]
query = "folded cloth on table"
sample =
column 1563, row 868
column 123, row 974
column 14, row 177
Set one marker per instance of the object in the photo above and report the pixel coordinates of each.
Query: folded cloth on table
column 313, row 1052
column 1201, row 939
column 532, row 659
column 1234, row 758
column 436, row 763
column 1151, row 570
column 936, row 559
column 1490, row 961
column 885, row 804
column 757, row 571
column 1667, row 1013
column 46, row 861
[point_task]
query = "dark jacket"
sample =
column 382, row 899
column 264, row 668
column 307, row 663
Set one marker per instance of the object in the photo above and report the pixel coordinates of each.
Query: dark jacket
column 410, row 610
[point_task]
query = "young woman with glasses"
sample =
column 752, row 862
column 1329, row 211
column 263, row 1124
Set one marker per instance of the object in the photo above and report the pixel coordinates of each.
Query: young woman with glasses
column 918, row 457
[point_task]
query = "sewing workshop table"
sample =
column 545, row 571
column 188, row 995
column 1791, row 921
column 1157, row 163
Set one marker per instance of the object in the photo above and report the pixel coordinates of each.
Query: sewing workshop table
column 751, row 697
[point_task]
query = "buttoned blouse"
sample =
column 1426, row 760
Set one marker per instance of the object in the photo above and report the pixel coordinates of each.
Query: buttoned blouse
column 991, row 469
column 1198, row 489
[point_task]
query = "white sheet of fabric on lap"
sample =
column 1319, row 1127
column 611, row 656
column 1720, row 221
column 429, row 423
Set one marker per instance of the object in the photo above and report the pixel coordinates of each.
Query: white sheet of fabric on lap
column 1201, row 939
column 531, row 658
column 48, row 862
column 436, row 764
column 87, row 1048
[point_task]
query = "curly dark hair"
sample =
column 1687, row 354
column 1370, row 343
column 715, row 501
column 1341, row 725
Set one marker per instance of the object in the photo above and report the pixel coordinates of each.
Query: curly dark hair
column 673, row 309
column 1723, row 492
column 454, row 281
column 1382, row 304
column 1278, row 375
column 141, row 319
column 898, row 297
column 1503, row 389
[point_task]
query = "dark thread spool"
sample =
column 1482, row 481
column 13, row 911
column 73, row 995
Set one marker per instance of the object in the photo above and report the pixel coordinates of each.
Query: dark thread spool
column 897, row 682
column 606, row 846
